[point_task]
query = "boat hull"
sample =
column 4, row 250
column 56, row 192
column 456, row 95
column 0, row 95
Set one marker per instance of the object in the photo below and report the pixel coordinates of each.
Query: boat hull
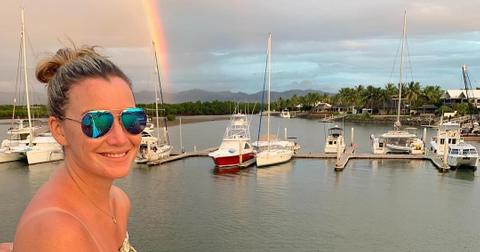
column 10, row 157
column 463, row 162
column 234, row 160
column 273, row 157
column 43, row 156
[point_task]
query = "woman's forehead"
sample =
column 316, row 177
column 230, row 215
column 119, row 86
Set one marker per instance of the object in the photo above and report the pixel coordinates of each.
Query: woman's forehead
column 99, row 93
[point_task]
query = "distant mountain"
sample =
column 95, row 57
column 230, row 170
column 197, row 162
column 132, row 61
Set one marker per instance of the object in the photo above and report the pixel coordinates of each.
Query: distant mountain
column 203, row 96
column 184, row 96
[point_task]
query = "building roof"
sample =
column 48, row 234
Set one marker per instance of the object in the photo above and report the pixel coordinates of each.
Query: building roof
column 461, row 94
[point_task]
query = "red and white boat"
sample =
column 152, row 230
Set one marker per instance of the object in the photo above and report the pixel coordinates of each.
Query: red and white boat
column 235, row 149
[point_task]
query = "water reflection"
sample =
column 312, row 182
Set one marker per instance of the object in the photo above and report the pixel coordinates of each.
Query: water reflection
column 275, row 170
column 464, row 174
column 226, row 171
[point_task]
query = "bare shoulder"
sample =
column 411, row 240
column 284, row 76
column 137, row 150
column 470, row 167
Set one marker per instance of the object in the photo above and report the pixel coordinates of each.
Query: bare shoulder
column 121, row 198
column 53, row 229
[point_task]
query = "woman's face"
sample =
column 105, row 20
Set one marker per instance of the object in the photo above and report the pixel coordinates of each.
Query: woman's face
column 112, row 154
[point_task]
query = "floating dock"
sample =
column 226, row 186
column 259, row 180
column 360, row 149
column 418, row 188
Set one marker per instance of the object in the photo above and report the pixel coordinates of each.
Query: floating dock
column 178, row 156
column 340, row 164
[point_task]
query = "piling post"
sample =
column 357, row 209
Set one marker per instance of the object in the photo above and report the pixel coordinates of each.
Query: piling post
column 424, row 135
column 352, row 137
column 181, row 138
column 285, row 131
column 445, row 154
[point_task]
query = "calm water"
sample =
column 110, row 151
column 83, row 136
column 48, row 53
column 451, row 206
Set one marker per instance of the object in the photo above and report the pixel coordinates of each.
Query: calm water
column 303, row 205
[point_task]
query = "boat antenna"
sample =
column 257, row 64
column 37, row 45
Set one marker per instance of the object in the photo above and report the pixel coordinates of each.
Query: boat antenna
column 397, row 124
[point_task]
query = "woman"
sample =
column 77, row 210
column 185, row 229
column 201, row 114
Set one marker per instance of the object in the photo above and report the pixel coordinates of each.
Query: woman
column 93, row 116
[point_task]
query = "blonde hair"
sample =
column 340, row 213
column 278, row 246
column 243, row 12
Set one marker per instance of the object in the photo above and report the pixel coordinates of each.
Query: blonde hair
column 70, row 66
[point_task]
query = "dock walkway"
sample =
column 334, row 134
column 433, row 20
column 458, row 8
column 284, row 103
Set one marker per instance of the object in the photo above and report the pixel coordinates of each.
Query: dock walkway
column 178, row 156
column 340, row 164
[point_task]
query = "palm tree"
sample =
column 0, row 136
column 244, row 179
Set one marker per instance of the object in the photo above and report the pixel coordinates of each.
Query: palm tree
column 412, row 92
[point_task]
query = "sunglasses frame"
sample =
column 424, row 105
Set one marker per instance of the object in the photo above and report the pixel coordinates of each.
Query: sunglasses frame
column 90, row 115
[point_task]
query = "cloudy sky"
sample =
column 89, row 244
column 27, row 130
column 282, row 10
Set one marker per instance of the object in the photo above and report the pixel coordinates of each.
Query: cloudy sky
column 220, row 45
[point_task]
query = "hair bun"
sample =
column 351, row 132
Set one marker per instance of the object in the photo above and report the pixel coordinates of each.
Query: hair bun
column 46, row 70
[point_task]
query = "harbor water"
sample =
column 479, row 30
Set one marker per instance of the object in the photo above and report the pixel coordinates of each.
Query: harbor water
column 303, row 205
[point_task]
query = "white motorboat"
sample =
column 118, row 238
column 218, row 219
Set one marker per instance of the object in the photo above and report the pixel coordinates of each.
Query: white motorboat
column 398, row 141
column 335, row 143
column 285, row 113
column 235, row 149
column 462, row 154
column 447, row 132
column 154, row 148
column 272, row 154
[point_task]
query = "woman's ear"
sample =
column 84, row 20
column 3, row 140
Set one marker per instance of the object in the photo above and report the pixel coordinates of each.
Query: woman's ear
column 56, row 127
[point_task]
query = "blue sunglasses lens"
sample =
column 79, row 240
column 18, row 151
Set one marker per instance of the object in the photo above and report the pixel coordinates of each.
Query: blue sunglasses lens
column 97, row 123
column 134, row 120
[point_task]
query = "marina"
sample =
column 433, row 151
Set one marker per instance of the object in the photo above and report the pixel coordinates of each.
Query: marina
column 316, row 142
column 185, row 196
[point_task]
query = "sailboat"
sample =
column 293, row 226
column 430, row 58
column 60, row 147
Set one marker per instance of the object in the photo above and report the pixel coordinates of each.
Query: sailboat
column 274, row 154
column 397, row 140
column 154, row 148
column 29, row 142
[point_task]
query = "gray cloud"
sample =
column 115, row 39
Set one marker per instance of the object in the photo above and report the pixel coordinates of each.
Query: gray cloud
column 220, row 45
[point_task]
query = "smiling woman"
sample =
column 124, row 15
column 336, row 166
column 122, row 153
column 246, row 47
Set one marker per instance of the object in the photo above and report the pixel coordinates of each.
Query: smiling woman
column 93, row 116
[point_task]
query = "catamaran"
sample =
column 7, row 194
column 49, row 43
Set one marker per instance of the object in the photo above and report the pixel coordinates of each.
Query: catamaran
column 397, row 140
column 462, row 154
column 29, row 142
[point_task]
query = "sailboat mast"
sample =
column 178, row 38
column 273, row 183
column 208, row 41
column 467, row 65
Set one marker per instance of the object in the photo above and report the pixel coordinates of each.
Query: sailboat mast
column 269, row 48
column 398, row 124
column 156, row 91
column 26, row 77
column 165, row 130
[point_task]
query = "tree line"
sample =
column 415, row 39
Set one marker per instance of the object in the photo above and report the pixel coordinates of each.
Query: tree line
column 414, row 95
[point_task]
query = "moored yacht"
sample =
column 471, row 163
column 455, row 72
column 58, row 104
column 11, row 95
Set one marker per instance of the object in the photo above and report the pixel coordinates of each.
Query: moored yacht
column 272, row 155
column 335, row 141
column 397, row 140
column 462, row 154
column 447, row 133
column 285, row 113
column 44, row 149
column 155, row 148
column 235, row 149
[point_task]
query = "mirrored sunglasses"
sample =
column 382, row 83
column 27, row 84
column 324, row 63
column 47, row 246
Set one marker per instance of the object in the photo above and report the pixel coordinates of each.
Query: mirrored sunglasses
column 97, row 123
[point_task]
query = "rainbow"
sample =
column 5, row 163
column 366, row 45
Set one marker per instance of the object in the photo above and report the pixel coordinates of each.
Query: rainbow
column 157, row 34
